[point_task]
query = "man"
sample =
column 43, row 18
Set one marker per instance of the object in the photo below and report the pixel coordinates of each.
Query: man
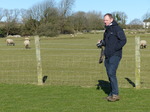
column 113, row 41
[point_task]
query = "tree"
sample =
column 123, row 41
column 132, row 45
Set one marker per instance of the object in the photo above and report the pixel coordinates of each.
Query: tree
column 120, row 17
column 79, row 20
column 50, row 15
column 23, row 15
column 49, row 23
column 11, row 20
column 37, row 11
column 30, row 27
column 2, row 32
column 94, row 20
column 1, row 14
column 48, row 30
column 135, row 24
column 36, row 14
column 65, row 8
column 1, row 24
column 146, row 16
column 146, row 20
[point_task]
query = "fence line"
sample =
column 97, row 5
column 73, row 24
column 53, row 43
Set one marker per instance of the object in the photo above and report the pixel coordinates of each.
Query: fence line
column 75, row 65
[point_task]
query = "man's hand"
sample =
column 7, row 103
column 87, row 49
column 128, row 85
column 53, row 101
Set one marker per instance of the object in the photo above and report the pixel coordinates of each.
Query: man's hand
column 100, row 43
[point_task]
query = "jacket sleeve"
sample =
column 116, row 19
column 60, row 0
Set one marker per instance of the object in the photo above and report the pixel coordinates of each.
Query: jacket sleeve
column 121, row 40
column 104, row 36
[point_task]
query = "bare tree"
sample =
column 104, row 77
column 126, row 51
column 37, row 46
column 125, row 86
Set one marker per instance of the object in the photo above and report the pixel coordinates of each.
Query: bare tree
column 49, row 23
column 136, row 24
column 146, row 16
column 23, row 15
column 1, row 14
column 65, row 7
column 11, row 15
column 37, row 11
column 146, row 20
column 11, row 19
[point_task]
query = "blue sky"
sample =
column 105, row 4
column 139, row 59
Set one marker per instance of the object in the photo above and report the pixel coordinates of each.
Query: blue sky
column 133, row 8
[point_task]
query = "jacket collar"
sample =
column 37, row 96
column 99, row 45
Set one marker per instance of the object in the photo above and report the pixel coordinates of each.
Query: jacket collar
column 113, row 23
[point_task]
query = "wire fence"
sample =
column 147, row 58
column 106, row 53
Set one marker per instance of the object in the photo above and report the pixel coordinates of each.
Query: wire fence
column 69, row 64
column 17, row 69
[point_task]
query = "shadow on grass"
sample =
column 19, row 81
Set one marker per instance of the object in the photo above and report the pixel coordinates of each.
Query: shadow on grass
column 104, row 85
column 130, row 82
column 45, row 78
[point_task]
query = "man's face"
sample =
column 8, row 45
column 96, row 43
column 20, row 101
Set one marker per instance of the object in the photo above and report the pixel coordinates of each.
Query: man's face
column 107, row 20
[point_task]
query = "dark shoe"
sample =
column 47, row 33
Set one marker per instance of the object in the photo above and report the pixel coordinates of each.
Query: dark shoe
column 114, row 98
column 107, row 98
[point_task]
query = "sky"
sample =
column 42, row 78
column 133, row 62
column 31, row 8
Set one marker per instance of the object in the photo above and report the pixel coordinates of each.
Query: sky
column 134, row 9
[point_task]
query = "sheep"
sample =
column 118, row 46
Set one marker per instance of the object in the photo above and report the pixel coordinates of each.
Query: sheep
column 10, row 42
column 143, row 44
column 27, row 43
column 26, row 38
column 71, row 35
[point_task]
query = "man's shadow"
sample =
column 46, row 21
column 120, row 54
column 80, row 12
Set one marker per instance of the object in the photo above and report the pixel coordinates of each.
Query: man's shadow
column 104, row 85
column 130, row 82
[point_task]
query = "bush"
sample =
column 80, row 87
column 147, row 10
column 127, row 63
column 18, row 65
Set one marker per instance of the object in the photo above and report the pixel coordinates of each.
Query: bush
column 48, row 30
column 2, row 33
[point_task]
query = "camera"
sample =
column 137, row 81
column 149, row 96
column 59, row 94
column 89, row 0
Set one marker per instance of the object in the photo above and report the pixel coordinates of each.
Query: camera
column 100, row 44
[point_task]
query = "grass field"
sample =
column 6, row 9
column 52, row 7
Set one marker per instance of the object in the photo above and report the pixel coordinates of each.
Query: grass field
column 32, row 98
column 70, row 61
column 72, row 70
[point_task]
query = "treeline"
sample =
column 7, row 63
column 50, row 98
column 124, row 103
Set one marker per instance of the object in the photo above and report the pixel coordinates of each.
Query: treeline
column 49, row 18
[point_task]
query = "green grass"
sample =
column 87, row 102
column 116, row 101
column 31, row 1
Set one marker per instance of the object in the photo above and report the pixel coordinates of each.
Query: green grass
column 32, row 98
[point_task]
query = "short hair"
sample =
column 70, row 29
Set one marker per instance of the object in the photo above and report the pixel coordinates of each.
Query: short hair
column 108, row 14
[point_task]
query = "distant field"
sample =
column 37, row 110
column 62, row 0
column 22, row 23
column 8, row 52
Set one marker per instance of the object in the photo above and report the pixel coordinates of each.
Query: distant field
column 70, row 61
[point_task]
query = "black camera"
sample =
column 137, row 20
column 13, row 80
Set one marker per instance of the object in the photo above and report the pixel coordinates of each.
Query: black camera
column 100, row 44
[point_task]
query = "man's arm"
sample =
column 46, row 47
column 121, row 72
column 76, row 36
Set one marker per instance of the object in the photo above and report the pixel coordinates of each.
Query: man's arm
column 121, row 40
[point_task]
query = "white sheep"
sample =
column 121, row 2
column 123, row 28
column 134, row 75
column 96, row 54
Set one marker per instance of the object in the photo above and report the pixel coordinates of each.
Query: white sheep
column 143, row 44
column 27, row 43
column 26, row 38
column 10, row 42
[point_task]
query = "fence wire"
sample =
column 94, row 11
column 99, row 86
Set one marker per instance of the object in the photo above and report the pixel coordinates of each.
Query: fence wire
column 69, row 64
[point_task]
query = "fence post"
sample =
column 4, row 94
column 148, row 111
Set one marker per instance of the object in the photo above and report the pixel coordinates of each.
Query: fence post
column 137, row 63
column 38, row 59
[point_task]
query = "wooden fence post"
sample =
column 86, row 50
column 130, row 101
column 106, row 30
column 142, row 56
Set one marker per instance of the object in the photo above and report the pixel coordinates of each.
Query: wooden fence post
column 38, row 59
column 137, row 63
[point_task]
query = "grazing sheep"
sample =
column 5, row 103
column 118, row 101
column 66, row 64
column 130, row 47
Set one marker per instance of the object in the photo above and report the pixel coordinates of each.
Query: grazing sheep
column 10, row 42
column 26, row 38
column 143, row 44
column 27, row 43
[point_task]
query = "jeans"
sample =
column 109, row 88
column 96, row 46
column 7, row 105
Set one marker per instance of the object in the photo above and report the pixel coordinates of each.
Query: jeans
column 111, row 65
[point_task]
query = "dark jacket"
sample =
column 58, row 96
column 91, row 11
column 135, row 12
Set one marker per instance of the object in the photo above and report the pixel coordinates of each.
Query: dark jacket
column 114, row 40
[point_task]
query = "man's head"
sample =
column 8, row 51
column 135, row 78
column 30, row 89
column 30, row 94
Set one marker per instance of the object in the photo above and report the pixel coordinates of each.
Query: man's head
column 108, row 19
